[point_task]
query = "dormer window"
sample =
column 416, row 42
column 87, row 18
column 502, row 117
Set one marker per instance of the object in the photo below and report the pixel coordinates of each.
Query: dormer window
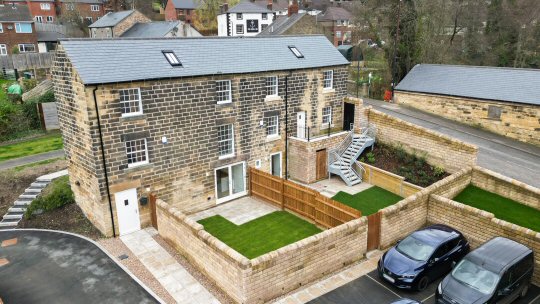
column 171, row 58
column 296, row 52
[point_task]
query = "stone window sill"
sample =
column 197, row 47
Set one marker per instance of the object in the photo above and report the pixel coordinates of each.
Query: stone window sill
column 328, row 91
column 272, row 98
column 272, row 138
column 138, row 167
column 226, row 156
column 133, row 117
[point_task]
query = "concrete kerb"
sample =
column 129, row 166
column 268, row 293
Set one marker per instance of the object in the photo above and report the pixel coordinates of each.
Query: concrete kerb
column 146, row 288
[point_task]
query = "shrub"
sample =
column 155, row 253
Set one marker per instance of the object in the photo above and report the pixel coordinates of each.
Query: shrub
column 29, row 84
column 438, row 171
column 56, row 195
column 370, row 157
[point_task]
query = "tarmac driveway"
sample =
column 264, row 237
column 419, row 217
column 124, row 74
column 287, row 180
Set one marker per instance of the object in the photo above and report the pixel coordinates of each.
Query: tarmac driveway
column 370, row 289
column 53, row 267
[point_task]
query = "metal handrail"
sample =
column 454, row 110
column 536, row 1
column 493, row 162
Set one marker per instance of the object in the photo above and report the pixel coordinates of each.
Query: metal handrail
column 359, row 166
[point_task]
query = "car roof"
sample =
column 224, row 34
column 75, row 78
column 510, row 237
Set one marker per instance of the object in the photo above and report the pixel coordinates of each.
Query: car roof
column 498, row 253
column 436, row 234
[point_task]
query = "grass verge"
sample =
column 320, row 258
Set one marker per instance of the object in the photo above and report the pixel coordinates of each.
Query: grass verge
column 368, row 201
column 43, row 144
column 503, row 208
column 261, row 235
column 39, row 163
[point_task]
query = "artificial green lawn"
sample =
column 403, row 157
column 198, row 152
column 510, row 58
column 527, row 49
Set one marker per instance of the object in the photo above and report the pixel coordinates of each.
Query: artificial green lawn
column 261, row 235
column 502, row 207
column 368, row 201
column 43, row 144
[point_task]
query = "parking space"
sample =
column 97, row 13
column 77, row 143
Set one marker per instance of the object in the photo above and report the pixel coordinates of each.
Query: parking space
column 370, row 289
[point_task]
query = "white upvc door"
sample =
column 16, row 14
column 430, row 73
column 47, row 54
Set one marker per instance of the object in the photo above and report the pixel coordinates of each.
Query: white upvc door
column 230, row 182
column 275, row 164
column 301, row 124
column 127, row 210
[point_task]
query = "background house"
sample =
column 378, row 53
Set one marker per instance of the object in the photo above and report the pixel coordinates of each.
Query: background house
column 296, row 24
column 17, row 30
column 161, row 29
column 184, row 118
column 502, row 100
column 337, row 20
column 89, row 10
column 115, row 24
column 244, row 19
column 183, row 10
column 43, row 11
column 47, row 40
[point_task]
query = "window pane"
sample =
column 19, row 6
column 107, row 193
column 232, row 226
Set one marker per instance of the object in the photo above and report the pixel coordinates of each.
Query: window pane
column 130, row 101
column 222, row 180
column 272, row 86
column 327, row 82
column 225, row 140
column 272, row 126
column 223, row 90
column 136, row 151
column 238, row 178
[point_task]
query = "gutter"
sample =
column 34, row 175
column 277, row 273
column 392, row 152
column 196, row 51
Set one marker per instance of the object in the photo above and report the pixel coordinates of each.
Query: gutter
column 104, row 161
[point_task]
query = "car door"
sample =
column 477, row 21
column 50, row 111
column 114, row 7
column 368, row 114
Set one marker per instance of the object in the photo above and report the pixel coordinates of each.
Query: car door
column 440, row 263
column 456, row 252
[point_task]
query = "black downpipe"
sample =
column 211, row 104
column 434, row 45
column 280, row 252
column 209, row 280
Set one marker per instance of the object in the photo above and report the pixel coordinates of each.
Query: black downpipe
column 104, row 162
column 286, row 127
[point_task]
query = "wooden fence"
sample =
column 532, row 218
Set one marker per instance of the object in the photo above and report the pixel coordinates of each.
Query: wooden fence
column 27, row 61
column 299, row 199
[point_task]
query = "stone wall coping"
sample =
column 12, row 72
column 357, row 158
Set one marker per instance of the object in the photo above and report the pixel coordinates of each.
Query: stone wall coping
column 412, row 185
column 354, row 99
column 451, row 178
column 505, row 103
column 383, row 171
column 507, row 179
column 276, row 254
column 436, row 134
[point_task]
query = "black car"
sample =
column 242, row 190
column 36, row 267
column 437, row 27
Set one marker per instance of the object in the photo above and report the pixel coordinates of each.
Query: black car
column 406, row 301
column 422, row 257
column 499, row 271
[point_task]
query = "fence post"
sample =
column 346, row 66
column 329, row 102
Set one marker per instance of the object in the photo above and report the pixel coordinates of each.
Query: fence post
column 250, row 178
column 282, row 194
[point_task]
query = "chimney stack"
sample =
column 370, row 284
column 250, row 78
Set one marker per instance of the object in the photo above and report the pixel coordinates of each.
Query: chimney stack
column 269, row 5
column 225, row 7
column 293, row 8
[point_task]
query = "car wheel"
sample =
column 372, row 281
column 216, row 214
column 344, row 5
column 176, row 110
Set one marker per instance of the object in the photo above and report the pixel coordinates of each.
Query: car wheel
column 524, row 290
column 422, row 283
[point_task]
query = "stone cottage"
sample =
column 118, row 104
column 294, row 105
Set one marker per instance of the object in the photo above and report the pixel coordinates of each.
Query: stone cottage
column 183, row 119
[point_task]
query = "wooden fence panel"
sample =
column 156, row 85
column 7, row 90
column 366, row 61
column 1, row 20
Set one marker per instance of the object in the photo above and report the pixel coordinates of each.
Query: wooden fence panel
column 300, row 199
column 374, row 231
column 27, row 61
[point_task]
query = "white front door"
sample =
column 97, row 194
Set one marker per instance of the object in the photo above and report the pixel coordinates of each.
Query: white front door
column 127, row 210
column 301, row 124
column 230, row 182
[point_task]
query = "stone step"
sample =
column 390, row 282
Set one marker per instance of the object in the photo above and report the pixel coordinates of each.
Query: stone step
column 28, row 196
column 33, row 190
column 16, row 209
column 38, row 185
column 25, row 199
column 8, row 224
column 22, row 203
column 10, row 220
column 13, row 215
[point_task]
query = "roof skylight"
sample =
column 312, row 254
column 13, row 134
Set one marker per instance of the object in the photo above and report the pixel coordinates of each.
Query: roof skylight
column 296, row 52
column 171, row 58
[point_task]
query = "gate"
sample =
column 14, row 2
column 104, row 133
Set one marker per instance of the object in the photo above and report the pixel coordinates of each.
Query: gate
column 153, row 210
column 374, row 231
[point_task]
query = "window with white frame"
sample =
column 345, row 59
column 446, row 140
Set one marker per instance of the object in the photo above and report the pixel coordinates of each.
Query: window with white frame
column 1, row 28
column 3, row 49
column 326, row 115
column 226, row 140
column 264, row 16
column 130, row 102
column 136, row 152
column 27, row 48
column 223, row 91
column 94, row 8
column 45, row 6
column 272, row 126
column 24, row 28
column 239, row 28
column 272, row 86
column 50, row 19
column 338, row 34
column 39, row 19
column 239, row 16
column 328, row 79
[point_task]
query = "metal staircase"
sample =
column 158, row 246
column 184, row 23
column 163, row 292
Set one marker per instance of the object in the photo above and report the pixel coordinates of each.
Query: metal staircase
column 342, row 159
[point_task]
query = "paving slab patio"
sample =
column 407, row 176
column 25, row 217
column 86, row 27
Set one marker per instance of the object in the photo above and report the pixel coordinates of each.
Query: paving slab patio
column 239, row 211
column 178, row 282
column 331, row 186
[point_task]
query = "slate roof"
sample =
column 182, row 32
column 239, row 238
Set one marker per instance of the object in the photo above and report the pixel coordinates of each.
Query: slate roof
column 335, row 13
column 49, row 36
column 10, row 13
column 281, row 24
column 151, row 29
column 185, row 4
column 111, row 19
column 487, row 83
column 277, row 5
column 124, row 60
column 248, row 7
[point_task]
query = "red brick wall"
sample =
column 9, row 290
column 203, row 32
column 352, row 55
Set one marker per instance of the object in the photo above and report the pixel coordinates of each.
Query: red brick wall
column 170, row 11
column 85, row 10
column 35, row 10
column 11, row 38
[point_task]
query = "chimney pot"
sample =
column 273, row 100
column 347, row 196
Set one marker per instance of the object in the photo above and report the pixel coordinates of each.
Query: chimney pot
column 293, row 8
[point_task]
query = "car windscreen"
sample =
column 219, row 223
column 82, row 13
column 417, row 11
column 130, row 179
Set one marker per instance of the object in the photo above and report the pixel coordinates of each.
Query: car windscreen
column 415, row 249
column 475, row 276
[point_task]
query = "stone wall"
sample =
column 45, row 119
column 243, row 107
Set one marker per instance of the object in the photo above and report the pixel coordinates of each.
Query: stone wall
column 128, row 22
column 271, row 275
column 507, row 187
column 480, row 226
column 518, row 121
column 440, row 150
column 185, row 112
column 387, row 180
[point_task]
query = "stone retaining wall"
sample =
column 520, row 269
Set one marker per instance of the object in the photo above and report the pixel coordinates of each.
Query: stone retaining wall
column 387, row 180
column 273, row 274
column 440, row 150
column 481, row 226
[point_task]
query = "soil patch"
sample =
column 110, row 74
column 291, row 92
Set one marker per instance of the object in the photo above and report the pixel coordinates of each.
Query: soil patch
column 68, row 218
column 13, row 183
column 413, row 167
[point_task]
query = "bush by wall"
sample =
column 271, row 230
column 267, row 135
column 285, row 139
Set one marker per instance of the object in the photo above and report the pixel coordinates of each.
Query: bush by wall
column 56, row 195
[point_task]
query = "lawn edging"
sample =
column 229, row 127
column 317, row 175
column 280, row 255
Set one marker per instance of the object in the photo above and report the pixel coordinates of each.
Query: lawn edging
column 270, row 275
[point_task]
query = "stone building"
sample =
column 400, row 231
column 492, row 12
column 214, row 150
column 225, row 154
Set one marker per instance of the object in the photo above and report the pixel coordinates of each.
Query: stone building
column 116, row 24
column 502, row 100
column 296, row 24
column 183, row 119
